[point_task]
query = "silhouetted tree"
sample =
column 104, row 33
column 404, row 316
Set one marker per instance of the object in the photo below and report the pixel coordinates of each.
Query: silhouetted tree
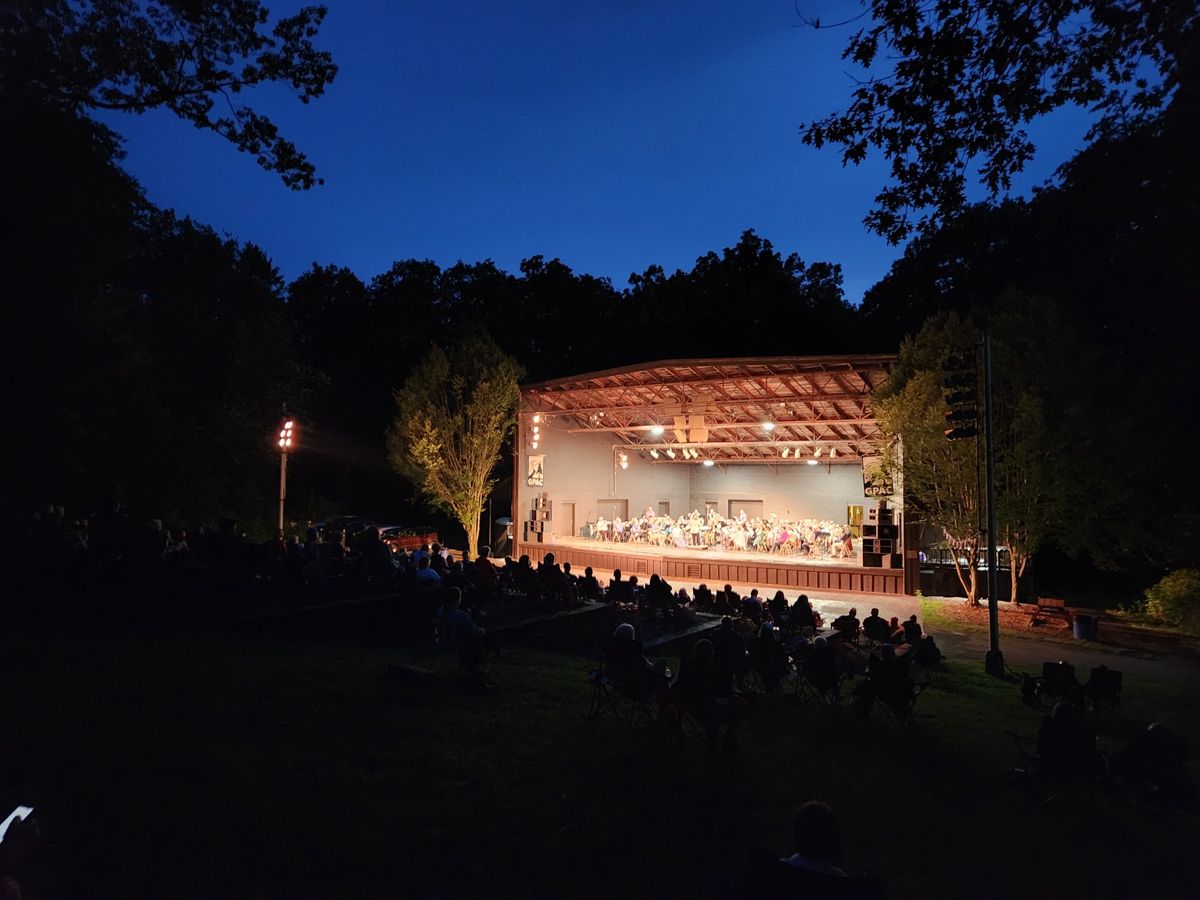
column 952, row 85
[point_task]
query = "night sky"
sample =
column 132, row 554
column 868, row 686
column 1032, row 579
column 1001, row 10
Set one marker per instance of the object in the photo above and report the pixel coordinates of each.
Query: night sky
column 612, row 136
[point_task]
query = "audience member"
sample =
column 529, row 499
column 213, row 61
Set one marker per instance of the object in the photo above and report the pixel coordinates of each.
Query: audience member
column 818, row 840
column 589, row 586
column 425, row 574
column 768, row 658
column 628, row 668
column 802, row 614
column 703, row 599
column 752, row 608
column 875, row 627
column 700, row 691
column 912, row 630
column 778, row 607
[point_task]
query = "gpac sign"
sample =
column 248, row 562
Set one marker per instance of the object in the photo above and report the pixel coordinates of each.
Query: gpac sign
column 877, row 480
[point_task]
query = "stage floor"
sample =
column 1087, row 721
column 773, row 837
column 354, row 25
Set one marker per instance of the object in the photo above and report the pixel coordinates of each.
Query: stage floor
column 740, row 557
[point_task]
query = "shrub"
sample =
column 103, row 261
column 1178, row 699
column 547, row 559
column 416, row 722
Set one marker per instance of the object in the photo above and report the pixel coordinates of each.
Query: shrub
column 1176, row 600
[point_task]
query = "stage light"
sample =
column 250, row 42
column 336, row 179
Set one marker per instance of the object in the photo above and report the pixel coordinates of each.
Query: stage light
column 817, row 452
column 657, row 430
column 833, row 452
column 671, row 453
column 624, row 464
column 813, row 462
column 654, row 454
column 768, row 426
column 536, row 418
column 288, row 425
column 709, row 462
column 281, row 442
column 785, row 452
column 535, row 443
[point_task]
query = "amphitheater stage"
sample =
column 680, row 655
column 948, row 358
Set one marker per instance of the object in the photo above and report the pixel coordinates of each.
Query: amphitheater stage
column 718, row 567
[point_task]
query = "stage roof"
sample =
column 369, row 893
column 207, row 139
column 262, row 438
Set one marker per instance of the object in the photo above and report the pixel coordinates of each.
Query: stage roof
column 729, row 410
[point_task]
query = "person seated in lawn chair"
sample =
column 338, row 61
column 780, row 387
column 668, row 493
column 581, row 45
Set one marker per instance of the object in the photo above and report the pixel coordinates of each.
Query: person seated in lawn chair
column 768, row 658
column 815, row 870
column 458, row 631
column 703, row 599
column 927, row 653
column 819, row 666
column 889, row 681
column 1155, row 763
column 847, row 626
column 875, row 628
column 804, row 616
column 701, row 691
column 912, row 630
column 658, row 597
column 729, row 653
column 780, row 612
column 627, row 667
column 589, row 586
column 1066, row 744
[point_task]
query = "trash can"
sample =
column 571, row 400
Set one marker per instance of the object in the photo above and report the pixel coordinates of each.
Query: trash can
column 1084, row 627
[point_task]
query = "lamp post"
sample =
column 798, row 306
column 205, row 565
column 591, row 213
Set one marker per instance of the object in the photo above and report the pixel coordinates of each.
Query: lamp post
column 286, row 439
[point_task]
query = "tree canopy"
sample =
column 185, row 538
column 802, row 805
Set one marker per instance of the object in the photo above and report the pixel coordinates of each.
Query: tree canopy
column 195, row 59
column 951, row 86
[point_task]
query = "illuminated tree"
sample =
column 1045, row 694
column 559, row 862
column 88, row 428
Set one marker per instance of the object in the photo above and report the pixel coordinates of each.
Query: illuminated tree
column 453, row 415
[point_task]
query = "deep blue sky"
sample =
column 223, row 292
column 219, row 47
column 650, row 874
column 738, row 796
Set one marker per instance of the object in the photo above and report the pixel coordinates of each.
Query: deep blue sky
column 611, row 135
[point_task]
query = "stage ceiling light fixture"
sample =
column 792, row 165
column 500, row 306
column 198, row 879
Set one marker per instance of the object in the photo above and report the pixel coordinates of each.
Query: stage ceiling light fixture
column 654, row 454
column 709, row 462
column 784, row 453
column 536, row 418
column 657, row 430
column 813, row 462
column 768, row 426
column 817, row 452
column 833, row 452
column 671, row 453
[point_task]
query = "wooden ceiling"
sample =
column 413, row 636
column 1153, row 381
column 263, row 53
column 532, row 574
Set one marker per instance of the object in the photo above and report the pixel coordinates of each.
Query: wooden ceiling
column 719, row 407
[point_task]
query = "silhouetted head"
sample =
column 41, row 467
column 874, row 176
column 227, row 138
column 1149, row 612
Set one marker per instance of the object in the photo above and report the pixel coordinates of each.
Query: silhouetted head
column 548, row 559
column 913, row 618
column 703, row 651
column 625, row 631
column 727, row 623
column 779, row 598
column 853, row 611
column 588, row 571
column 485, row 552
column 874, row 612
column 616, row 574
column 423, row 563
column 452, row 598
column 729, row 588
column 567, row 568
column 817, row 832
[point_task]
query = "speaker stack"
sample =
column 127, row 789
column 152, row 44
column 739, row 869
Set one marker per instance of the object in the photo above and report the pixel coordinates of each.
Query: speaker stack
column 881, row 540
column 535, row 528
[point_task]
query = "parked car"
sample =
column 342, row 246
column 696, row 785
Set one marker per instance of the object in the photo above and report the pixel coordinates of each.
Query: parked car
column 404, row 537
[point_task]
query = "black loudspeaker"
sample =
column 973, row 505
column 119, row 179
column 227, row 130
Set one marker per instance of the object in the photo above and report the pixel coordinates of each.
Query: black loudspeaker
column 897, row 560
column 870, row 531
column 872, row 560
column 889, row 530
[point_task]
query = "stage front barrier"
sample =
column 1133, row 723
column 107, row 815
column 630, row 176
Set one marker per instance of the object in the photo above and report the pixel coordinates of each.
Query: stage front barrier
column 753, row 570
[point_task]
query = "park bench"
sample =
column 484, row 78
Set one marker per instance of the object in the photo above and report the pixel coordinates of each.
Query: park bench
column 1047, row 607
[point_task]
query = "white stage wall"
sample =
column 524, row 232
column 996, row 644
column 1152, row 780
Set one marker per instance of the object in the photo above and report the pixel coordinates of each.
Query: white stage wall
column 579, row 469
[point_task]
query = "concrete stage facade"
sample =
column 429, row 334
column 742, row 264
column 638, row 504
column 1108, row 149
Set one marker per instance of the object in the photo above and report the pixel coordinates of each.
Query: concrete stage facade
column 717, row 568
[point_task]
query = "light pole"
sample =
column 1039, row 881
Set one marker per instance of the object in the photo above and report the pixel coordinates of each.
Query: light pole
column 286, row 439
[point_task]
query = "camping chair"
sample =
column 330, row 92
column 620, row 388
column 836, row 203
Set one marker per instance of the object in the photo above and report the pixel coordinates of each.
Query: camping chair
column 1077, row 762
column 1057, row 682
column 1104, row 686
column 818, row 679
column 610, row 696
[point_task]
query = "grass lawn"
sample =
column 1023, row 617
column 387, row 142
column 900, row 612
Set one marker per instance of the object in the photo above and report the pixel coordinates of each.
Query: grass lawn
column 217, row 765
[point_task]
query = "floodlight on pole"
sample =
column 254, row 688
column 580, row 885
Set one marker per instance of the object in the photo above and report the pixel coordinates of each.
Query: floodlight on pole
column 287, row 440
